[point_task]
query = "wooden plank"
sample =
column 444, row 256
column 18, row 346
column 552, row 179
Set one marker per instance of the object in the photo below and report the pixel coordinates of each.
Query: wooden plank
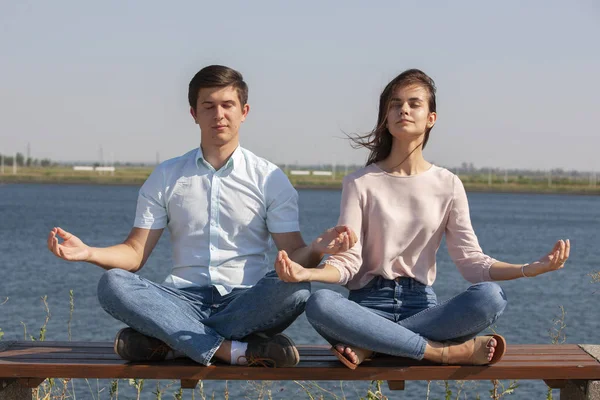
column 329, row 371
column 511, row 349
column 97, row 360
column 24, row 343
column 378, row 362
column 83, row 369
column 85, row 349
column 303, row 349
column 57, row 350
column 67, row 357
column 52, row 352
column 25, row 357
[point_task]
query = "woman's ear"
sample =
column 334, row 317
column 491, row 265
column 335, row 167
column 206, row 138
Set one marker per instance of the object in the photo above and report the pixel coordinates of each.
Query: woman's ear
column 431, row 120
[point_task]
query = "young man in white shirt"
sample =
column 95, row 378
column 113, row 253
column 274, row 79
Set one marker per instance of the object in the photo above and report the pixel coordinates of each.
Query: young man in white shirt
column 222, row 204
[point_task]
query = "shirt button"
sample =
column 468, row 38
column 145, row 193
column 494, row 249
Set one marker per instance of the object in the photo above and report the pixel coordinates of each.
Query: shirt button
column 213, row 223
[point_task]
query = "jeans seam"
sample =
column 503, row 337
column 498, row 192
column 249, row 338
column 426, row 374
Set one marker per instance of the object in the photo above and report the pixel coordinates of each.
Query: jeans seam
column 213, row 350
column 422, row 312
column 481, row 326
column 330, row 332
column 270, row 322
column 477, row 328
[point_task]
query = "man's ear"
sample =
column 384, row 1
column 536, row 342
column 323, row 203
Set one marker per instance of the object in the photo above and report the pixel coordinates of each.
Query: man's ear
column 193, row 113
column 245, row 111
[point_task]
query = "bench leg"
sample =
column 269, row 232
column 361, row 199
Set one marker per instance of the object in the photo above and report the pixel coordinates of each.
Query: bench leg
column 189, row 383
column 396, row 385
column 581, row 390
column 12, row 390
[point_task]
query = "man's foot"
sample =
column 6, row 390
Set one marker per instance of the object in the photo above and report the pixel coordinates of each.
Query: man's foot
column 278, row 351
column 350, row 357
column 131, row 345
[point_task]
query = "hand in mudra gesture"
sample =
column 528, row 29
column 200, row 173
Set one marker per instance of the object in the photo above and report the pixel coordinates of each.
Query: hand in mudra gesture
column 71, row 248
column 335, row 240
column 290, row 271
column 554, row 260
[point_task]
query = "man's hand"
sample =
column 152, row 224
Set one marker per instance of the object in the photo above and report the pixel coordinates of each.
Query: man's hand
column 334, row 240
column 290, row 271
column 71, row 249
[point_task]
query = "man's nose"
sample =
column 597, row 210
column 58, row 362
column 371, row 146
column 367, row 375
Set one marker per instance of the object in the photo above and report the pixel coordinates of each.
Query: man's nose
column 219, row 113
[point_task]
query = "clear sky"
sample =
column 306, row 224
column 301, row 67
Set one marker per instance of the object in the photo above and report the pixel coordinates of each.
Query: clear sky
column 518, row 81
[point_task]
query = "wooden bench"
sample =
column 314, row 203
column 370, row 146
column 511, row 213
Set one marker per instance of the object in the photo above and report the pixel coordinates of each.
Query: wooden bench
column 25, row 365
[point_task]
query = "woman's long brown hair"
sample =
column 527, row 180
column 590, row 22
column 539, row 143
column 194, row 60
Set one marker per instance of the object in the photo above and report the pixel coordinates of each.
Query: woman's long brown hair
column 379, row 140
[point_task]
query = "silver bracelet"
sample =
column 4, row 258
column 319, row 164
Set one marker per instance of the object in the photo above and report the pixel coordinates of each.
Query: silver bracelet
column 523, row 270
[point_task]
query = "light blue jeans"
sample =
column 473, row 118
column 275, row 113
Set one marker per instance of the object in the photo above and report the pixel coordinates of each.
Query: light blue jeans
column 398, row 317
column 195, row 321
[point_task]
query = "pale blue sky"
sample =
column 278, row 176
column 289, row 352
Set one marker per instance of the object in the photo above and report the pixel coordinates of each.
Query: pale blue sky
column 517, row 81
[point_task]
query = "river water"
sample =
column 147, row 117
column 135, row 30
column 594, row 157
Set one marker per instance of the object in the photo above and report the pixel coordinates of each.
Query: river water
column 510, row 227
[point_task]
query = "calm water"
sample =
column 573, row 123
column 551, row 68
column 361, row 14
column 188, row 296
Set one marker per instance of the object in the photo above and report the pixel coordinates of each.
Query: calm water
column 510, row 227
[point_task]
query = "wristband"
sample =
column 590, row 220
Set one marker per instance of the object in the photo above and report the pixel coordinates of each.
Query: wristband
column 523, row 270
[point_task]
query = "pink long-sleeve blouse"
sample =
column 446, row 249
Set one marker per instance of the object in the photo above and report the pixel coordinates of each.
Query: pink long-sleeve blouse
column 400, row 221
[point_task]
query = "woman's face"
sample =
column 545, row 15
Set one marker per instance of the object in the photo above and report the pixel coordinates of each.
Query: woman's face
column 408, row 115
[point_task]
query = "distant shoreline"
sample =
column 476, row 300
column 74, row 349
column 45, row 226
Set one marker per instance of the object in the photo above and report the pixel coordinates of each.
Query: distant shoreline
column 138, row 180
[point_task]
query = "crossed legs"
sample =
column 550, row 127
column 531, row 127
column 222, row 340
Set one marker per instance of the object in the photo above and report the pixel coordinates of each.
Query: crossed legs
column 439, row 333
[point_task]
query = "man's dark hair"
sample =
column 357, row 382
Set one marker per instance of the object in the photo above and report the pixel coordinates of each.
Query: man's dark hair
column 217, row 76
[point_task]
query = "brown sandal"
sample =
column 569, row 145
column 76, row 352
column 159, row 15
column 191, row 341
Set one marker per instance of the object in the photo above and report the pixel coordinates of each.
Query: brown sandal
column 479, row 357
column 362, row 355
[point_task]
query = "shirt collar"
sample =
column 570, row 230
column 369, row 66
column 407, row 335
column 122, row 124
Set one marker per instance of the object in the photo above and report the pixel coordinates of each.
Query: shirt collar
column 235, row 158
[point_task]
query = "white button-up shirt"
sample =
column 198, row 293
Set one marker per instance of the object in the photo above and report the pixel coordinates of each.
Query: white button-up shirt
column 219, row 221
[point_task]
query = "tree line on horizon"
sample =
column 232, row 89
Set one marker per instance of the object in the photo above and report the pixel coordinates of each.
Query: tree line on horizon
column 23, row 161
column 468, row 169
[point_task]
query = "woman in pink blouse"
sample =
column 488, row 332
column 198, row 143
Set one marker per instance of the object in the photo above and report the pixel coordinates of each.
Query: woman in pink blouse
column 400, row 205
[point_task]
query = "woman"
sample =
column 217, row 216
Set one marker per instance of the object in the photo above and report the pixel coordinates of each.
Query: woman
column 401, row 205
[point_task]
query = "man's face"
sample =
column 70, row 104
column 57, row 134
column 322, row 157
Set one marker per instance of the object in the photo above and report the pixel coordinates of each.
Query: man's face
column 219, row 114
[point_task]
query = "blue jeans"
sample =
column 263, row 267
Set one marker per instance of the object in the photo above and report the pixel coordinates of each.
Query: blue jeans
column 196, row 320
column 397, row 317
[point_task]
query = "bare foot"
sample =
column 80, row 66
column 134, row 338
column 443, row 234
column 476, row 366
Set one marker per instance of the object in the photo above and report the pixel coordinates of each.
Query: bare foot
column 348, row 353
column 478, row 351
column 351, row 357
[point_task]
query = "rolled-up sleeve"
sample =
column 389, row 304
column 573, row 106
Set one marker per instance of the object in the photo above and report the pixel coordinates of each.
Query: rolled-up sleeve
column 351, row 214
column 463, row 245
column 151, row 211
column 282, row 204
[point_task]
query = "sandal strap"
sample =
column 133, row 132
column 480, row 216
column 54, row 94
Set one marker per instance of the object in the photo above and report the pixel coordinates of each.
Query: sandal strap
column 445, row 354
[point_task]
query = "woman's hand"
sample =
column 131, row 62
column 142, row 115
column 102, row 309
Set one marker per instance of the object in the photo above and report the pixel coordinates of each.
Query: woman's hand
column 335, row 240
column 552, row 261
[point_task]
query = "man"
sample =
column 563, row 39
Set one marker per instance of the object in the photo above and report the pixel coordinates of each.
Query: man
column 222, row 204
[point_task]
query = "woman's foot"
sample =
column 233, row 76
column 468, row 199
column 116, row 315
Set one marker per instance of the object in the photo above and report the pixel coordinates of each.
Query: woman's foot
column 481, row 350
column 350, row 357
